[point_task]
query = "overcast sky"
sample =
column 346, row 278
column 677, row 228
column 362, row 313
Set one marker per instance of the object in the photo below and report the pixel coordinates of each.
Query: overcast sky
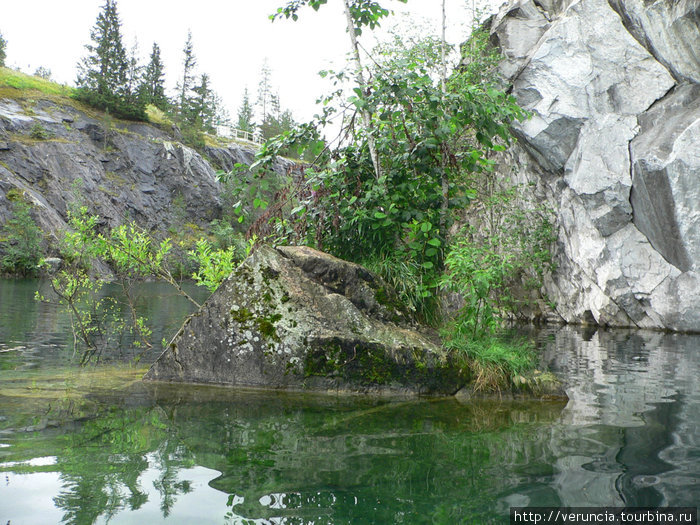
column 231, row 38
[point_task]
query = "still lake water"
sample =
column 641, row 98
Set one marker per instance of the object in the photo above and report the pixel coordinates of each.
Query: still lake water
column 97, row 445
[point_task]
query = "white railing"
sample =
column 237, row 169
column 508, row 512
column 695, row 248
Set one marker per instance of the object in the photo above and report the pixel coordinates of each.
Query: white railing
column 229, row 132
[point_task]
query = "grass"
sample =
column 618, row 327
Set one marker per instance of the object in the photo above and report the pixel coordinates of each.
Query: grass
column 11, row 79
column 157, row 116
column 496, row 363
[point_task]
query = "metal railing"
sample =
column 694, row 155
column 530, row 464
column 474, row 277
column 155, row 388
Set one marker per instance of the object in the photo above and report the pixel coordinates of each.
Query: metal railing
column 229, row 132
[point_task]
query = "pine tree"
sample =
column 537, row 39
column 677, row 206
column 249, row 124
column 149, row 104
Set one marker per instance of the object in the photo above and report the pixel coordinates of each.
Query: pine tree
column 188, row 76
column 3, row 53
column 245, row 114
column 104, row 70
column 153, row 82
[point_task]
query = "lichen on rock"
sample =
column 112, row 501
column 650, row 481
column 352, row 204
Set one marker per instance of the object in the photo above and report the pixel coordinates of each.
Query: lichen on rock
column 296, row 318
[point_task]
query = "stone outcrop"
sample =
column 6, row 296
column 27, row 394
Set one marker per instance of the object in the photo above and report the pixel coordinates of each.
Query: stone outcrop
column 295, row 318
column 613, row 146
column 56, row 152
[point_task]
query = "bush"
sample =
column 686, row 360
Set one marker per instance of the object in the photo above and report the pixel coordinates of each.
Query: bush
column 38, row 132
column 21, row 241
column 112, row 104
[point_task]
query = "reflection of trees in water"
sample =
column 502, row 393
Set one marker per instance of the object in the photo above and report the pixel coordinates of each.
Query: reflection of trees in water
column 169, row 459
column 282, row 459
column 314, row 458
column 102, row 462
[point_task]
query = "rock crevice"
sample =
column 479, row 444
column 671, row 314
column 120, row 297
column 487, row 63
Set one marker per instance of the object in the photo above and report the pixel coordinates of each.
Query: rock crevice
column 614, row 145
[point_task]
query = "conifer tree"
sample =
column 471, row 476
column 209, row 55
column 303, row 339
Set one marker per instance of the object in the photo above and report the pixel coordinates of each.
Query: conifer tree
column 3, row 52
column 153, row 82
column 104, row 70
column 133, row 75
column 188, row 76
column 103, row 75
column 245, row 114
column 202, row 106
column 265, row 93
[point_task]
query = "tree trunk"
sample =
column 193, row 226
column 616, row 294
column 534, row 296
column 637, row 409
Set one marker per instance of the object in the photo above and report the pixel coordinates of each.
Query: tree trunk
column 444, row 181
column 360, row 78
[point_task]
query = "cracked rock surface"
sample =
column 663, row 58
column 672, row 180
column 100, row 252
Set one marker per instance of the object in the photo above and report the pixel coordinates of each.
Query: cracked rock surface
column 613, row 147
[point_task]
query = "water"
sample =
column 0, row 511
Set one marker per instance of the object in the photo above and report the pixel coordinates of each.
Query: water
column 97, row 445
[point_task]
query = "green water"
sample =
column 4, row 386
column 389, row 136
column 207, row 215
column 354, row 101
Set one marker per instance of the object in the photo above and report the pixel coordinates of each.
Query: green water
column 99, row 446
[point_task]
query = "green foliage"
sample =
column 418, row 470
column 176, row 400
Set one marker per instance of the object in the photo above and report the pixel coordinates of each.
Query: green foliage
column 365, row 13
column 476, row 271
column 152, row 89
column 20, row 81
column 38, row 132
column 245, row 120
column 189, row 62
column 21, row 240
column 133, row 255
column 409, row 280
column 431, row 144
column 107, row 77
column 113, row 105
column 3, row 50
column 214, row 265
column 495, row 363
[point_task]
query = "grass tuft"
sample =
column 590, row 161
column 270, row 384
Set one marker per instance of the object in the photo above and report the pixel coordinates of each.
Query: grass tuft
column 496, row 363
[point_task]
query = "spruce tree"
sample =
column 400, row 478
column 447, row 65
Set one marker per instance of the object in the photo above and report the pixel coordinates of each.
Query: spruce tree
column 203, row 105
column 153, row 81
column 245, row 114
column 103, row 75
column 133, row 75
column 104, row 70
column 3, row 53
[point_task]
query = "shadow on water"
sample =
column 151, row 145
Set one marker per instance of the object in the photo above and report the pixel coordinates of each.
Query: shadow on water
column 98, row 445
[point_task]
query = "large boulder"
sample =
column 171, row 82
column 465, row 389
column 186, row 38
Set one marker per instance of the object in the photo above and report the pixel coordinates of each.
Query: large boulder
column 612, row 147
column 296, row 318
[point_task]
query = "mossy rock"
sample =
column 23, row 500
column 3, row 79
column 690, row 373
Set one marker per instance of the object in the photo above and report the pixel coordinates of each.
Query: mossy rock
column 296, row 318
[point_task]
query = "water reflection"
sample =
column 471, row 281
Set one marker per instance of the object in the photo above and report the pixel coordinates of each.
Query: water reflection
column 98, row 445
column 639, row 390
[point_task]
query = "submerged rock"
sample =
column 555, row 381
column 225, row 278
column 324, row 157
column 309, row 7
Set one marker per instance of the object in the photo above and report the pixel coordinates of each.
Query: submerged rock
column 295, row 318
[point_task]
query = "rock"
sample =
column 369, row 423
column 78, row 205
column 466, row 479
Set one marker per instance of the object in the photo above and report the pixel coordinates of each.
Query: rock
column 665, row 167
column 668, row 30
column 295, row 318
column 53, row 263
column 614, row 148
column 123, row 170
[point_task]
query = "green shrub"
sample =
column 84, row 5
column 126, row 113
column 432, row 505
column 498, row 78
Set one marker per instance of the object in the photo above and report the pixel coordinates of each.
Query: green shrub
column 38, row 132
column 21, row 238
column 111, row 104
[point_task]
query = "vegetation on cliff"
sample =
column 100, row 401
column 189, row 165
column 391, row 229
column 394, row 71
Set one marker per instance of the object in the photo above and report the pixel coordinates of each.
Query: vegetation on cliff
column 416, row 151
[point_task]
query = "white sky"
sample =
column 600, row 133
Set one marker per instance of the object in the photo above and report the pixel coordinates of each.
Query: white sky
column 231, row 39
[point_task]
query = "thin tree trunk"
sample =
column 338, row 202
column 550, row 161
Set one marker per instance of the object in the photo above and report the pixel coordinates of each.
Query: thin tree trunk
column 366, row 117
column 445, row 205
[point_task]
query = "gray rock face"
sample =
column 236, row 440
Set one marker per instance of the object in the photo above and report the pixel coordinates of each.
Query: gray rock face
column 122, row 171
column 668, row 30
column 613, row 146
column 295, row 318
